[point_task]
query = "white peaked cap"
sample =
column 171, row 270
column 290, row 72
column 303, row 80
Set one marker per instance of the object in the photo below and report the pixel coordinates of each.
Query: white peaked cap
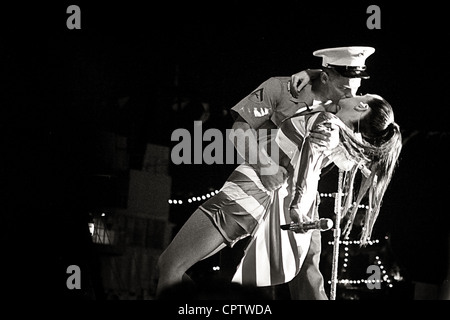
column 353, row 59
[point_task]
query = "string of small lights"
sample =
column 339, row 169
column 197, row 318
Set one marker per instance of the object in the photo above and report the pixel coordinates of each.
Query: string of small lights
column 202, row 197
column 205, row 196
column 385, row 277
column 346, row 243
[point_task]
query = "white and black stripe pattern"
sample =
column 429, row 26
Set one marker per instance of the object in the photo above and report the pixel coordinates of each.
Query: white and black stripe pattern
column 244, row 207
column 274, row 256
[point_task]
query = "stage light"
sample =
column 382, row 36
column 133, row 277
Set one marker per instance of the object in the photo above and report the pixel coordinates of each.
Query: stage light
column 91, row 228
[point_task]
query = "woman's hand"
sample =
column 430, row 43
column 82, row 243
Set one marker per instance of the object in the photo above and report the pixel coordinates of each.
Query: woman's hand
column 296, row 218
column 301, row 79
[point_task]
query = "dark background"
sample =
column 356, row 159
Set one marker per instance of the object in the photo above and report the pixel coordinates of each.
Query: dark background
column 59, row 85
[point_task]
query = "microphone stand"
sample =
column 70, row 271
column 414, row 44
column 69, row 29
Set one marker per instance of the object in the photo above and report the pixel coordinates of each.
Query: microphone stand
column 336, row 235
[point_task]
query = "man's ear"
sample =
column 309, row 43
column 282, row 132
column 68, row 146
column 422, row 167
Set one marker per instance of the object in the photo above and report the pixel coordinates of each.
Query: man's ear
column 324, row 77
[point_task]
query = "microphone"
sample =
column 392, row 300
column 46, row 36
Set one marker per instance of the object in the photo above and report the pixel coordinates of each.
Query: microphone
column 323, row 224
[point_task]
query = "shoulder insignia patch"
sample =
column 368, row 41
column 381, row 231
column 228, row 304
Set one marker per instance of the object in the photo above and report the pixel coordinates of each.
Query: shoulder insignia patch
column 257, row 96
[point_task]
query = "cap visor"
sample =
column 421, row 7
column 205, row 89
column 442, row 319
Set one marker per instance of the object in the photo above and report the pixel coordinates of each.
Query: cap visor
column 354, row 74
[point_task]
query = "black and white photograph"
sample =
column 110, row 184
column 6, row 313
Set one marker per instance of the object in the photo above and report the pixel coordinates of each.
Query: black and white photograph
column 241, row 152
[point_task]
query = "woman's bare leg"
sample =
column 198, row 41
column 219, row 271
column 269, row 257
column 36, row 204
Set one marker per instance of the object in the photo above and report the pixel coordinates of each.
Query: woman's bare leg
column 196, row 240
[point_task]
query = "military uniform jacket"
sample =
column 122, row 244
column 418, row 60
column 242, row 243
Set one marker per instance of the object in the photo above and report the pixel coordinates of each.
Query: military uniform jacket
column 272, row 101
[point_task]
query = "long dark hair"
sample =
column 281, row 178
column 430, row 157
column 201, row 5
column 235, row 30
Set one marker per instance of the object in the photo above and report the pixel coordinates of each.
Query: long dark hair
column 377, row 155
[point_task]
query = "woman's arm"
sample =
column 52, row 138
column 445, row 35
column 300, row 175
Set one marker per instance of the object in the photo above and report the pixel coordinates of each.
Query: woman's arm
column 307, row 171
column 301, row 79
column 305, row 181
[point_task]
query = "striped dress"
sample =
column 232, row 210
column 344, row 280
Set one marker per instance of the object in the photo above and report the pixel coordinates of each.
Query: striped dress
column 244, row 207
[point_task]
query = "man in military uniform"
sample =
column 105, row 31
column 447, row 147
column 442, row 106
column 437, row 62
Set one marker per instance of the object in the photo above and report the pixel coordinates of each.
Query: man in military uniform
column 277, row 99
